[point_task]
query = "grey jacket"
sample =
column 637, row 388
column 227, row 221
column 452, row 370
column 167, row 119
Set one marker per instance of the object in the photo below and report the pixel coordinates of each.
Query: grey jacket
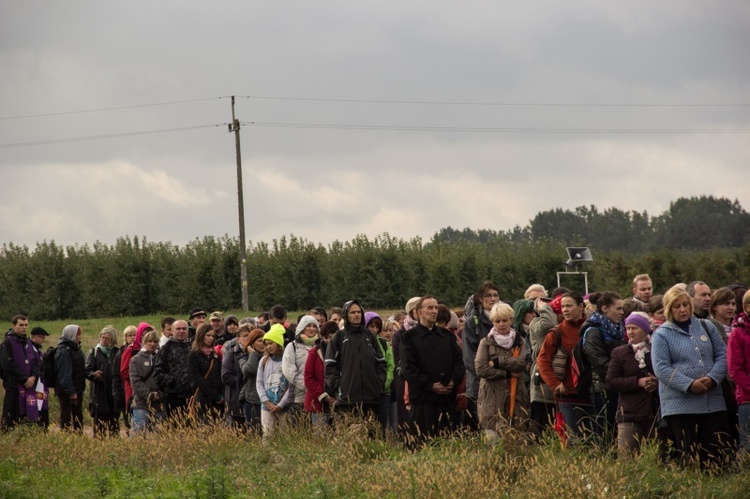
column 248, row 363
column 142, row 378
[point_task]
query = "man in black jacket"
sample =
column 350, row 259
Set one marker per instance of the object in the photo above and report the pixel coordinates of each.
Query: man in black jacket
column 432, row 365
column 355, row 368
column 70, row 365
column 171, row 370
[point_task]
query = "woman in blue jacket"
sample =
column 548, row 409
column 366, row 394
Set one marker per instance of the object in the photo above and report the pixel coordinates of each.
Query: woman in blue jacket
column 690, row 360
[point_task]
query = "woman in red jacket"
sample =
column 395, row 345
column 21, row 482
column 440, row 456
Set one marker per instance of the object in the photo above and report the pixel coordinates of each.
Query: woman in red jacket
column 575, row 407
column 317, row 401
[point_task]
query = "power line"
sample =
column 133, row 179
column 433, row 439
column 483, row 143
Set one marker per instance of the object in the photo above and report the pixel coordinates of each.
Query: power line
column 103, row 109
column 496, row 129
column 107, row 136
column 479, row 103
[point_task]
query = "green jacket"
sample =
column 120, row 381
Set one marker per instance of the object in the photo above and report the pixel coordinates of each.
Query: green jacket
column 387, row 351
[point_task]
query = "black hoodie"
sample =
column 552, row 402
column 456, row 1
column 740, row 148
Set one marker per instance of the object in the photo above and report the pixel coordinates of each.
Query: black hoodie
column 355, row 368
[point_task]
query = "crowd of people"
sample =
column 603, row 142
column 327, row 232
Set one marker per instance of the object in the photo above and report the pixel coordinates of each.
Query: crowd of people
column 596, row 370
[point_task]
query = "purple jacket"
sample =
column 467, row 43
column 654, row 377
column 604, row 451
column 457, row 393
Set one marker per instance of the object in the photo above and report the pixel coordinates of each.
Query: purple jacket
column 738, row 358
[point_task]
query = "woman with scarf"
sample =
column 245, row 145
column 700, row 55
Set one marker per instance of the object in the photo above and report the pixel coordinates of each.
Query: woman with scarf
column 601, row 333
column 204, row 367
column 293, row 363
column 118, row 385
column 100, row 367
column 502, row 360
column 631, row 375
column 690, row 360
column 128, row 354
column 147, row 406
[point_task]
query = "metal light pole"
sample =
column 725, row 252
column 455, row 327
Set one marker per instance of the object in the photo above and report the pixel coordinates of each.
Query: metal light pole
column 235, row 127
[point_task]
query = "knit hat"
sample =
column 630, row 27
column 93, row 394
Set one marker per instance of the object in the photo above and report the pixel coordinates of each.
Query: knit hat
column 275, row 334
column 70, row 332
column 640, row 321
column 38, row 331
column 305, row 321
column 412, row 304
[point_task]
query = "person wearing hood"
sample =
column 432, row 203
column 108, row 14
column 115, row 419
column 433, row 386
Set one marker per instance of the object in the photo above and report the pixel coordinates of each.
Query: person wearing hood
column 171, row 371
column 128, row 354
column 601, row 333
column 231, row 375
column 147, row 406
column 293, row 362
column 22, row 367
column 229, row 330
column 355, row 368
column 99, row 371
column 318, row 402
column 248, row 362
column 738, row 354
column 70, row 366
column 374, row 324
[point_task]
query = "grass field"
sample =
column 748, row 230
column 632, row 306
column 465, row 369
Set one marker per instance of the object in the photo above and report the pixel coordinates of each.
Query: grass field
column 222, row 463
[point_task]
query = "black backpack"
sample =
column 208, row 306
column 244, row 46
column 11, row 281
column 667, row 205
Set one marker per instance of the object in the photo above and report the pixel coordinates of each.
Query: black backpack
column 49, row 373
column 580, row 366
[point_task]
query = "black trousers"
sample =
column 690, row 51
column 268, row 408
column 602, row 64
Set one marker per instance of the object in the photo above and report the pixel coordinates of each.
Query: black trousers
column 542, row 417
column 701, row 437
column 429, row 420
column 71, row 412
column 11, row 409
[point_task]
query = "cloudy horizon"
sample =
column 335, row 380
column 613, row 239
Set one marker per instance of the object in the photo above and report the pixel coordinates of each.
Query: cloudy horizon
column 364, row 117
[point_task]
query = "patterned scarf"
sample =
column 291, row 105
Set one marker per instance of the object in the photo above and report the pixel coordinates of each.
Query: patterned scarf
column 641, row 349
column 610, row 330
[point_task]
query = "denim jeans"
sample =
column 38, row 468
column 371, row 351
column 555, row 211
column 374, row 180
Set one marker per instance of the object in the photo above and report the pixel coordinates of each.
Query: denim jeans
column 744, row 424
column 579, row 418
column 140, row 423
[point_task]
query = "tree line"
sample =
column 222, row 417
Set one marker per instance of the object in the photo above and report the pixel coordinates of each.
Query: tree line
column 134, row 276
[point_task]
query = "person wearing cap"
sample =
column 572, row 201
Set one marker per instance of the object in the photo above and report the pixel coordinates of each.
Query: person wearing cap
column 216, row 319
column 293, row 363
column 248, row 362
column 70, row 366
column 21, row 366
column 196, row 318
column 38, row 335
column 631, row 375
column 171, row 371
column 274, row 390
column 355, row 368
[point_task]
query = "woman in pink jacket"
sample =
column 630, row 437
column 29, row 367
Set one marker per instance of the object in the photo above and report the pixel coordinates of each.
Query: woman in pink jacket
column 738, row 360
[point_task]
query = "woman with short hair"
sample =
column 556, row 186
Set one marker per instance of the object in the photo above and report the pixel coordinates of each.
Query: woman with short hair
column 147, row 406
column 690, row 361
column 722, row 308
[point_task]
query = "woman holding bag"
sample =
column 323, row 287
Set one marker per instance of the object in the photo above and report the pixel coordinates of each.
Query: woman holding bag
column 204, row 366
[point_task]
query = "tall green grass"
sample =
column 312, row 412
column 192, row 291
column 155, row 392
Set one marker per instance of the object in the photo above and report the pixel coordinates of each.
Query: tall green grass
column 218, row 462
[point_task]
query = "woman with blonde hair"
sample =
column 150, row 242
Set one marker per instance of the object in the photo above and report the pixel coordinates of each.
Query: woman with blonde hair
column 100, row 367
column 690, row 362
column 502, row 359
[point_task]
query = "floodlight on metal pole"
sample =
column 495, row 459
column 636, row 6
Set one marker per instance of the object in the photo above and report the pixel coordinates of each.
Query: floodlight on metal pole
column 235, row 127
column 577, row 255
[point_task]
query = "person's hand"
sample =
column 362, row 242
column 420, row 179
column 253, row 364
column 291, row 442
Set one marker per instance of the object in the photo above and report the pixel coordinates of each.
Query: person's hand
column 442, row 389
column 648, row 383
column 698, row 387
column 98, row 375
column 29, row 382
column 539, row 304
column 707, row 382
column 560, row 390
column 276, row 409
column 154, row 395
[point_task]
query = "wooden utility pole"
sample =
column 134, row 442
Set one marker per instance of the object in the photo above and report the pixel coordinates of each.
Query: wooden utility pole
column 235, row 127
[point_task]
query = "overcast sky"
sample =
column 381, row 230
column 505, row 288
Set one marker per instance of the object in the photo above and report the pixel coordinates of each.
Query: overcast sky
column 496, row 74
